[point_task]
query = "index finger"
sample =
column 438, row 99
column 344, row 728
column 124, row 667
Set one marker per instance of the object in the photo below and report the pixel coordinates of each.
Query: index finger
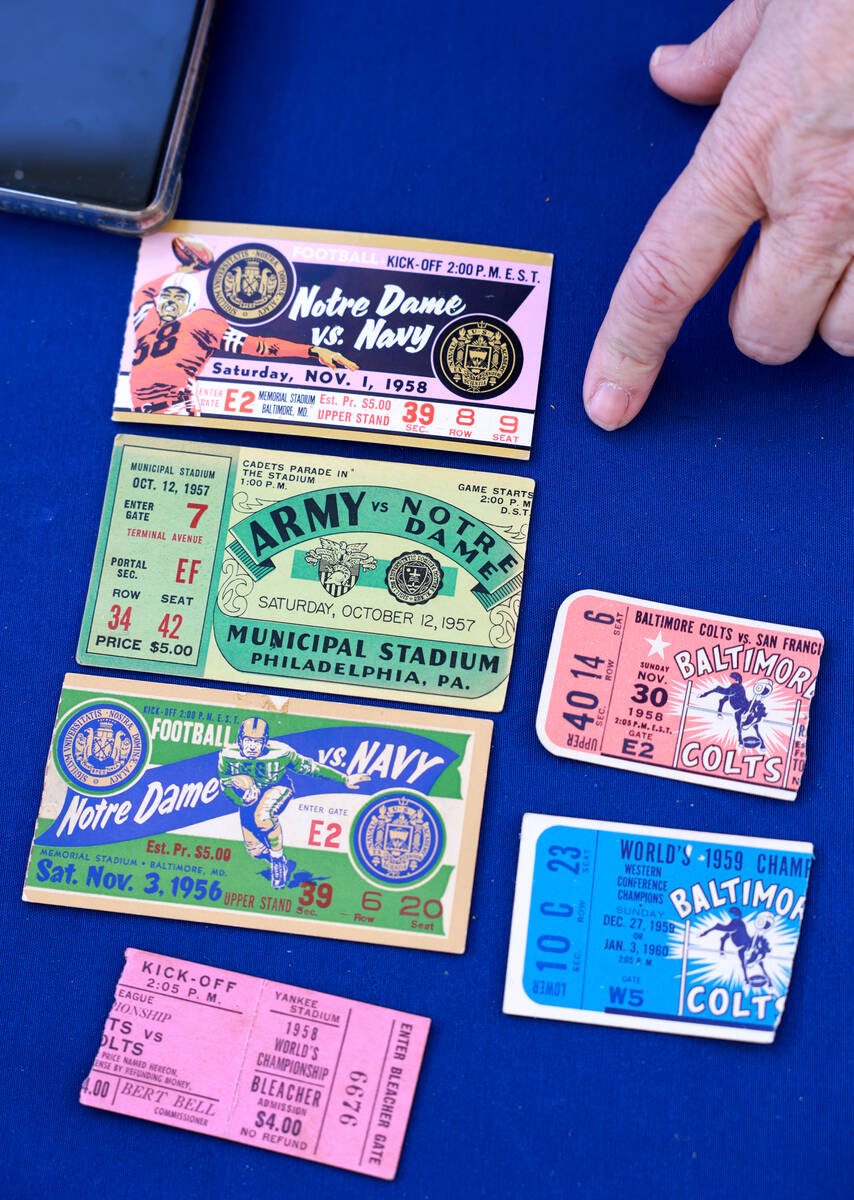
column 687, row 242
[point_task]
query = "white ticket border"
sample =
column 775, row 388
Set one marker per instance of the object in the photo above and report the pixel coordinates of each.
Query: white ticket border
column 601, row 760
column 401, row 437
column 517, row 1003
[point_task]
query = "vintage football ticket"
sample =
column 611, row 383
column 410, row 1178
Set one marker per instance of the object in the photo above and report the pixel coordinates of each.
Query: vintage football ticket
column 270, row 812
column 267, row 1064
column 666, row 930
column 672, row 691
column 372, row 579
column 342, row 335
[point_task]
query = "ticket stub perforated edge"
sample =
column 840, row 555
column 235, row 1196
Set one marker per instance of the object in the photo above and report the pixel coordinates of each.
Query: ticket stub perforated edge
column 579, row 927
column 264, row 1064
column 757, row 745
column 337, row 335
column 208, row 541
column 153, row 828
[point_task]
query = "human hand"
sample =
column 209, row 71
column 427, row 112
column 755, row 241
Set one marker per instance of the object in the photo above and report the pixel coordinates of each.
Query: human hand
column 331, row 358
column 353, row 781
column 778, row 150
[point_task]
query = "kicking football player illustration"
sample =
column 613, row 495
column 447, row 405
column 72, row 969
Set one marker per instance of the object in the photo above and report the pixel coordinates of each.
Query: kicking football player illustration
column 734, row 695
column 751, row 950
column 754, row 713
column 175, row 337
column 256, row 775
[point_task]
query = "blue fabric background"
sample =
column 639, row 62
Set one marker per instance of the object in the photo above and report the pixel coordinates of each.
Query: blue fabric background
column 521, row 124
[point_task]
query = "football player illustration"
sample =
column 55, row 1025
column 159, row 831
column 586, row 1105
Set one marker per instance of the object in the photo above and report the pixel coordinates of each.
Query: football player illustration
column 175, row 336
column 257, row 775
column 755, row 712
column 735, row 696
column 752, row 950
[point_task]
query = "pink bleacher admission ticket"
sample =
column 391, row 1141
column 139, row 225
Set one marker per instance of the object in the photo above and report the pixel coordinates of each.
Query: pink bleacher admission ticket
column 258, row 1062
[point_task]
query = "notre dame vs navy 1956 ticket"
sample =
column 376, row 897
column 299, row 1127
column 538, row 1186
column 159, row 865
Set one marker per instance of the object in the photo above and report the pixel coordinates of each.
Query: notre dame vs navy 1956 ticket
column 336, row 334
column 667, row 930
column 366, row 578
column 281, row 814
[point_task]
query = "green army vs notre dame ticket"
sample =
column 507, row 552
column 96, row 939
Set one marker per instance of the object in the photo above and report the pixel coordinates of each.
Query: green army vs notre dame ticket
column 372, row 579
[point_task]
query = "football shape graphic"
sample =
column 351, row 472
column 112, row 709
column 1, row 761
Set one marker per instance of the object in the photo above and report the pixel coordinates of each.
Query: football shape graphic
column 192, row 252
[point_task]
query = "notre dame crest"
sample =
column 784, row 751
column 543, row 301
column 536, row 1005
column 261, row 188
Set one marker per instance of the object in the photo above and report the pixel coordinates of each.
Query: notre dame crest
column 398, row 837
column 102, row 747
column 250, row 284
column 414, row 577
column 477, row 356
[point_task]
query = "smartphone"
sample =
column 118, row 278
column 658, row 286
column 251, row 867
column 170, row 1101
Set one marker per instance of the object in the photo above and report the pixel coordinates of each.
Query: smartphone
column 96, row 103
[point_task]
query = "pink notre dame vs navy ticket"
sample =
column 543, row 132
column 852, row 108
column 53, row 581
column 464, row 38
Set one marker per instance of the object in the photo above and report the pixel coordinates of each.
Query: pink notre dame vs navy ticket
column 343, row 335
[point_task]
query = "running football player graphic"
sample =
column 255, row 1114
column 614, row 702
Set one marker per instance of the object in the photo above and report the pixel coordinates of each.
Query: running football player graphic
column 256, row 775
column 174, row 337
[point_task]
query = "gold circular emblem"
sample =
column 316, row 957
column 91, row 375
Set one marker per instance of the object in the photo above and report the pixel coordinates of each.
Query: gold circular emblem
column 478, row 356
column 250, row 283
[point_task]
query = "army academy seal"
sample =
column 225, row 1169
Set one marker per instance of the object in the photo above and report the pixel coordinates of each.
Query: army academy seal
column 414, row 577
column 339, row 564
column 477, row 356
column 251, row 283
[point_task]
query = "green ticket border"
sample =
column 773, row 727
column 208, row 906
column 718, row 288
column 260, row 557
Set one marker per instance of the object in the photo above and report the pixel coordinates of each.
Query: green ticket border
column 194, row 670
column 489, row 701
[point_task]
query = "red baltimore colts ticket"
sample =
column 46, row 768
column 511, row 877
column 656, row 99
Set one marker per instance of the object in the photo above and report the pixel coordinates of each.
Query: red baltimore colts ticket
column 675, row 692
column 266, row 1064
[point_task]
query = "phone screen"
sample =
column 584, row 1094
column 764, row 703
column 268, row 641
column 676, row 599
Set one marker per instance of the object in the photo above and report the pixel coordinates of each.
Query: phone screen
column 88, row 89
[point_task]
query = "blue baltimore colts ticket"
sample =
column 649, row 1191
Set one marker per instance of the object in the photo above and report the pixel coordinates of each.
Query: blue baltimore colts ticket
column 667, row 930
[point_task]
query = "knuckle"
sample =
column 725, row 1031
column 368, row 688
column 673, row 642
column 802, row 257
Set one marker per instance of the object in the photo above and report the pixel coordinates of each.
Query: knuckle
column 638, row 359
column 806, row 249
column 657, row 283
column 815, row 197
column 828, row 209
column 713, row 50
column 723, row 167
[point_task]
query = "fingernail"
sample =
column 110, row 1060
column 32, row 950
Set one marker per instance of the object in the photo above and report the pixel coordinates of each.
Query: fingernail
column 608, row 406
column 664, row 55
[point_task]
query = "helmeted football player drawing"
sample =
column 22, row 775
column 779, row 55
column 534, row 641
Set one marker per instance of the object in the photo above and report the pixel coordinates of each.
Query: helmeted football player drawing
column 258, row 776
column 174, row 336
column 747, row 711
column 752, row 948
column 735, row 696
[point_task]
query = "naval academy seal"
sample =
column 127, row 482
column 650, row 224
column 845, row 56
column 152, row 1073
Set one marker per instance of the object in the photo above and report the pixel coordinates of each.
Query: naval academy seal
column 250, row 284
column 479, row 357
column 398, row 838
column 102, row 747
